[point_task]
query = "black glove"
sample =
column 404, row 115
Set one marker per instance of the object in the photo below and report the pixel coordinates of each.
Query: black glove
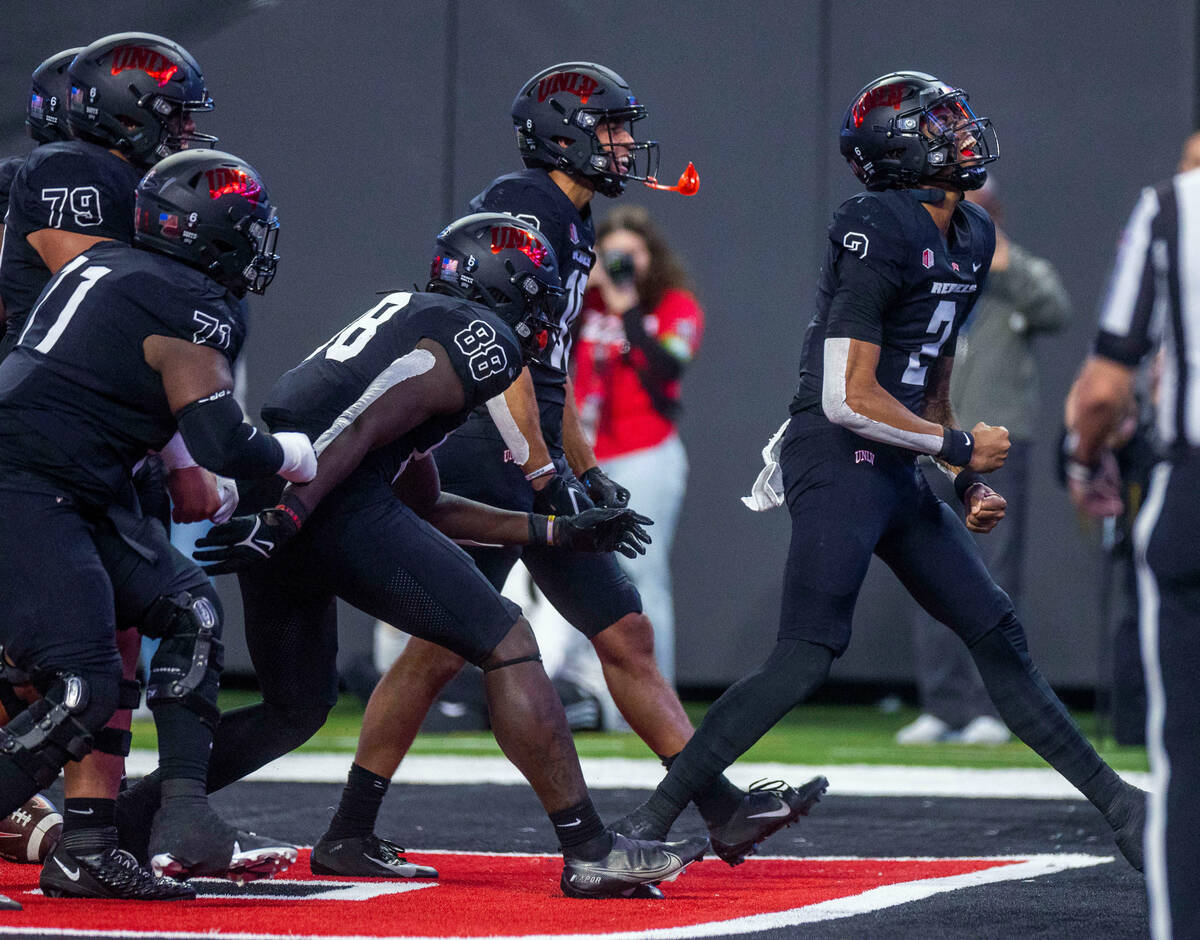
column 561, row 498
column 594, row 530
column 603, row 491
column 245, row 540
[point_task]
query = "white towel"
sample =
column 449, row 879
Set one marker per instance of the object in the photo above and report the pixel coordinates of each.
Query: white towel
column 767, row 492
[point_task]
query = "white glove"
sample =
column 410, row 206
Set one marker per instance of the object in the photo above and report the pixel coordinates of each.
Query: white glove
column 767, row 491
column 228, row 491
column 299, row 458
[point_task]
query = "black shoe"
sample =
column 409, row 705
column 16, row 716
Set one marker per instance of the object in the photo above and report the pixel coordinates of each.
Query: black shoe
column 113, row 874
column 364, row 857
column 8, row 904
column 1128, row 819
column 639, row 825
column 765, row 809
column 629, row 868
column 191, row 841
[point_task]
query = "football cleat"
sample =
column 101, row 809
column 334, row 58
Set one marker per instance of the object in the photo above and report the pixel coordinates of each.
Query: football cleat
column 364, row 857
column 765, row 809
column 113, row 874
column 191, row 842
column 8, row 904
column 631, row 868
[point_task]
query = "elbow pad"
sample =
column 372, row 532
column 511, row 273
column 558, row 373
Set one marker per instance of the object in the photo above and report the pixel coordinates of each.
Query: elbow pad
column 221, row 441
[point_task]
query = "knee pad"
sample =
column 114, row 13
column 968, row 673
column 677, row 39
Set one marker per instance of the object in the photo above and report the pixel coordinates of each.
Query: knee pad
column 55, row 729
column 186, row 667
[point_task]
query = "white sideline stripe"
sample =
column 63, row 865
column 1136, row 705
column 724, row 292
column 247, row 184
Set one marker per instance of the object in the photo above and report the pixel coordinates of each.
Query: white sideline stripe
column 873, row 900
column 610, row 773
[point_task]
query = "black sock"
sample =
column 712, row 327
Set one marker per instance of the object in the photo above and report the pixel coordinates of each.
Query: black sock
column 717, row 801
column 88, row 826
column 184, row 742
column 359, row 807
column 579, row 829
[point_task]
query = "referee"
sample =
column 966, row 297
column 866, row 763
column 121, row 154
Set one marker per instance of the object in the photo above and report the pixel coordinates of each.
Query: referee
column 1154, row 301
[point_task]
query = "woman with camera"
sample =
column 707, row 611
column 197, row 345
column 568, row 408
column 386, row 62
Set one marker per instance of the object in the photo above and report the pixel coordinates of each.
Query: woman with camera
column 639, row 329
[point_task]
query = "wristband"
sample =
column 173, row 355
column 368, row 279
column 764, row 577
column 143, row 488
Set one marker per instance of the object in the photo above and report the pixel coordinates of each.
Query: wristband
column 295, row 510
column 964, row 481
column 957, row 447
column 539, row 535
column 541, row 472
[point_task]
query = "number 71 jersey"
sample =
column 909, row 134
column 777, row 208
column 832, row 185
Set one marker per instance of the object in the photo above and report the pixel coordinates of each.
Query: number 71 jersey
column 366, row 358
column 78, row 401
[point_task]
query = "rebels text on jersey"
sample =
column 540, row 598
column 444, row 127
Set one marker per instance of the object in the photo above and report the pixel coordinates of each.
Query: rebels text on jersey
column 78, row 402
column 325, row 393
column 533, row 196
column 933, row 281
column 70, row 185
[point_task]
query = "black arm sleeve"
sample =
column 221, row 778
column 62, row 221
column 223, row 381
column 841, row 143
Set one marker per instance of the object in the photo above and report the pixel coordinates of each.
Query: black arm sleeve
column 862, row 296
column 221, row 441
column 660, row 363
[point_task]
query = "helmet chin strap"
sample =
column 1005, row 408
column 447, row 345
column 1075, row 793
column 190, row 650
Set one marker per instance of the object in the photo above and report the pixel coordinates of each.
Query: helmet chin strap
column 932, row 196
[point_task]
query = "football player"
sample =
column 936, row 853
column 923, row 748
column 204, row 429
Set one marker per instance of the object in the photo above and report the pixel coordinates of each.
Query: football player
column 125, row 348
column 376, row 399
column 128, row 99
column 46, row 121
column 526, row 451
column 904, row 264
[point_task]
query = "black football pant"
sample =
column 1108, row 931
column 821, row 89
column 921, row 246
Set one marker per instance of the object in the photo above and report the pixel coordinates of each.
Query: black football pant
column 1168, row 566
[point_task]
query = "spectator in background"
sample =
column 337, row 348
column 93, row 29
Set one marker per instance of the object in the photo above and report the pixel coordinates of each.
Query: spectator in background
column 995, row 376
column 639, row 330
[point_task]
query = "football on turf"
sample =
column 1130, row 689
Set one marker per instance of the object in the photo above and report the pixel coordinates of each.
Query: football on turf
column 30, row 833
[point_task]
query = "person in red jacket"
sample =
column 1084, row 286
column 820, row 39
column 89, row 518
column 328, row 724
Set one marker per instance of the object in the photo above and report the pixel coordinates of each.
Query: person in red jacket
column 640, row 328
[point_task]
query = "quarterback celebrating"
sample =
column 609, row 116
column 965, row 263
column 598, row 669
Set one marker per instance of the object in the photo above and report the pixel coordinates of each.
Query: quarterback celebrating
column 903, row 266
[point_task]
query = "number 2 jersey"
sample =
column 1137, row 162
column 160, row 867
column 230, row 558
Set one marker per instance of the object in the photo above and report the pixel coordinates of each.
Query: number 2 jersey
column 73, row 186
column 932, row 285
column 79, row 405
column 531, row 195
column 325, row 393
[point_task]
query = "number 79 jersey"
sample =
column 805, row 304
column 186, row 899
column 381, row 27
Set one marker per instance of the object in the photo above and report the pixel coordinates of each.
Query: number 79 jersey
column 366, row 358
column 78, row 401
column 933, row 283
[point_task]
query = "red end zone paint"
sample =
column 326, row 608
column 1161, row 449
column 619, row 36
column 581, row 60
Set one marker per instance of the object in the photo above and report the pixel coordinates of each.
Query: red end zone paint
column 482, row 896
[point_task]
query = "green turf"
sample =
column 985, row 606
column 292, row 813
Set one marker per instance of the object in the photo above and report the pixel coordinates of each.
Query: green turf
column 812, row 734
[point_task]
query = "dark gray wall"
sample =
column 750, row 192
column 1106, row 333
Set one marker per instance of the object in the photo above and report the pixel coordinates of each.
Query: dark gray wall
column 367, row 134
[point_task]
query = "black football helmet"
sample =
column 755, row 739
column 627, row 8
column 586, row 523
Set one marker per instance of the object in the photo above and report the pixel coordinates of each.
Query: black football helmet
column 907, row 128
column 46, row 116
column 503, row 263
column 132, row 92
column 211, row 211
column 557, row 114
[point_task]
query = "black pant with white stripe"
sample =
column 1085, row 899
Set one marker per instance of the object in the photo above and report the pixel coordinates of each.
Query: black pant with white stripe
column 1169, row 594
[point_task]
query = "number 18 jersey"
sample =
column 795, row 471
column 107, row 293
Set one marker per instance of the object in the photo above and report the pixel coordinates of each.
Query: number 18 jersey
column 342, row 377
column 934, row 282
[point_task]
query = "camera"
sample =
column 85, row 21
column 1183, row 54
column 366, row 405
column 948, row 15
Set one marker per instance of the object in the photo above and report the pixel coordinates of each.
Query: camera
column 619, row 267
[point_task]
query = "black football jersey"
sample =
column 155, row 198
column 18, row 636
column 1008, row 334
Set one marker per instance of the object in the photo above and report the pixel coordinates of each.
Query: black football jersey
column 78, row 403
column 938, row 281
column 8, row 169
column 71, row 185
column 341, row 378
column 533, row 196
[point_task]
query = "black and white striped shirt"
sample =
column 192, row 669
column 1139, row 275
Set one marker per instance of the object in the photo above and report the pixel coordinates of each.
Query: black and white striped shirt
column 1154, row 299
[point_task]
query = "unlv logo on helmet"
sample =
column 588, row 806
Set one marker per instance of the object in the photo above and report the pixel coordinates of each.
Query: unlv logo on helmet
column 222, row 181
column 506, row 236
column 573, row 83
column 154, row 64
column 885, row 95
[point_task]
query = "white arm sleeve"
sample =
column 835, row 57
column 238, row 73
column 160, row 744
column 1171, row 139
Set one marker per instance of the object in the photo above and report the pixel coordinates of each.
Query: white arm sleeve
column 838, row 410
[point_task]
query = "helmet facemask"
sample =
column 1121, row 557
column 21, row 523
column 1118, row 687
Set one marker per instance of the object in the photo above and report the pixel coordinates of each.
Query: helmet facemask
column 958, row 144
column 172, row 118
column 616, row 157
column 263, row 234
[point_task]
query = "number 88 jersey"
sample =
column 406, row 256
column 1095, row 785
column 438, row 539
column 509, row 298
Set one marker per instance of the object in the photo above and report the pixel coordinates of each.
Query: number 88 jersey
column 72, row 186
column 364, row 359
